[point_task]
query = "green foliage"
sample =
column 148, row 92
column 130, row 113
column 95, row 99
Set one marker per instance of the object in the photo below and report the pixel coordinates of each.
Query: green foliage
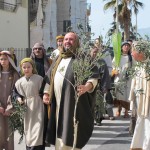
column 16, row 119
column 82, row 68
column 124, row 14
column 144, row 47
column 100, row 102
column 83, row 64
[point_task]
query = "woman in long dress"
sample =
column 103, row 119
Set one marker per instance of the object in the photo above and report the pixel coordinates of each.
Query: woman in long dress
column 27, row 89
column 121, row 80
column 140, row 93
column 8, row 77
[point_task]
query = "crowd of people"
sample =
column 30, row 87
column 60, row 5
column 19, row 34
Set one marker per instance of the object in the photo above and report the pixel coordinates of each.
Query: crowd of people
column 47, row 86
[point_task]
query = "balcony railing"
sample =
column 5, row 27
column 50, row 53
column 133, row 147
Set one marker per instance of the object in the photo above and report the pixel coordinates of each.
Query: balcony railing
column 8, row 6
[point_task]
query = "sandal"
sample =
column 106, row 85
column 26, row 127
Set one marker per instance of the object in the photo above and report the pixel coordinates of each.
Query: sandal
column 126, row 115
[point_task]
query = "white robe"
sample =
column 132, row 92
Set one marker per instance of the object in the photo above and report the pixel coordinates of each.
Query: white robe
column 122, row 85
column 141, row 137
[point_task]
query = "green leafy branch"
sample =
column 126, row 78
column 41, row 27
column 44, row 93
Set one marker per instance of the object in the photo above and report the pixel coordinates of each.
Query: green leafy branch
column 16, row 119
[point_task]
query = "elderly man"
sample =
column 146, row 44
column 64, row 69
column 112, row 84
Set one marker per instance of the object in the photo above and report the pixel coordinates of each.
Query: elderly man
column 41, row 61
column 61, row 94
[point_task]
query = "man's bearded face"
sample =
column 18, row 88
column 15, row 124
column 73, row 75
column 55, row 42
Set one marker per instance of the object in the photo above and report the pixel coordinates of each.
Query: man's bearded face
column 69, row 40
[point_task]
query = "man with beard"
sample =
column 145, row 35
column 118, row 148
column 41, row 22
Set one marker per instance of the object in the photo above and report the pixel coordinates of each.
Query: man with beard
column 61, row 95
column 38, row 55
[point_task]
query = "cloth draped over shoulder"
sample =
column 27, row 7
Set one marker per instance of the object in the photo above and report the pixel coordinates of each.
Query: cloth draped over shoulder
column 85, row 108
column 67, row 54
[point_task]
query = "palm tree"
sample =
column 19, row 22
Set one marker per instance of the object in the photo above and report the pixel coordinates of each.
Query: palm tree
column 124, row 13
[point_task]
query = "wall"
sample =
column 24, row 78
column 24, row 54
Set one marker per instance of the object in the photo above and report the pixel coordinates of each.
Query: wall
column 14, row 28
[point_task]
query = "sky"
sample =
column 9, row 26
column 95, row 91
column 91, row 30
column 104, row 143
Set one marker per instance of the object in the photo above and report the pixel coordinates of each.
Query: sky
column 100, row 20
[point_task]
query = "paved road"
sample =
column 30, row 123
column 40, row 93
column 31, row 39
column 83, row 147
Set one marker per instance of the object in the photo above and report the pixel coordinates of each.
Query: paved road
column 112, row 135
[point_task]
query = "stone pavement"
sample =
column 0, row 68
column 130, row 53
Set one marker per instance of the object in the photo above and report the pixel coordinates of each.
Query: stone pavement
column 112, row 135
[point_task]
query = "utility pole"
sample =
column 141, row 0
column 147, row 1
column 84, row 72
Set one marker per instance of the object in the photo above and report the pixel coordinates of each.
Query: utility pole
column 117, row 26
column 136, row 26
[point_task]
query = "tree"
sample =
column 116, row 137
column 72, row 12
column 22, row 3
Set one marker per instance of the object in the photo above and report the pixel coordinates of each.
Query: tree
column 124, row 13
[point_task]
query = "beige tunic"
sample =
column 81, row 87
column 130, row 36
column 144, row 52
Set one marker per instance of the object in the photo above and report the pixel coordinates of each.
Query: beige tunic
column 34, row 116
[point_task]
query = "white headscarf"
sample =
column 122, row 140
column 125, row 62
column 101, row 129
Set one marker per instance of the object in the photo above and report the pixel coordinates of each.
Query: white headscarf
column 8, row 54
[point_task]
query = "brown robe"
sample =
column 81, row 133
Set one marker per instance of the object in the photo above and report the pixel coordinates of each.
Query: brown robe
column 6, row 86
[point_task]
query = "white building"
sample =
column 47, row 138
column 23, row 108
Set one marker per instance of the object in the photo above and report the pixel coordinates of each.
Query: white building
column 46, row 19
column 57, row 16
column 14, row 24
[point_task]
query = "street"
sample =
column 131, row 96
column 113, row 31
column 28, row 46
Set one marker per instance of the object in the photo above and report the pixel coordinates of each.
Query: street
column 112, row 135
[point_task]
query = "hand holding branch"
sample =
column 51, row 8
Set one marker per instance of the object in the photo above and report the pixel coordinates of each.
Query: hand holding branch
column 46, row 98
column 20, row 101
column 84, row 88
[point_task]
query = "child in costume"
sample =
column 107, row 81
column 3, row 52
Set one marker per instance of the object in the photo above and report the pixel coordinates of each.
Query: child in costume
column 8, row 77
column 27, row 90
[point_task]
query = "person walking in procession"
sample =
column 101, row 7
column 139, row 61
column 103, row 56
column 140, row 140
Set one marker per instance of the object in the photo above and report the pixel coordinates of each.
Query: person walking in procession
column 61, row 95
column 122, row 82
column 104, row 100
column 27, row 90
column 59, row 40
column 8, row 76
column 140, row 93
column 38, row 55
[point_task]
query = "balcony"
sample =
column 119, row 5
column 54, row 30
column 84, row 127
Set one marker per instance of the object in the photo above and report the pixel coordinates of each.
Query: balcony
column 8, row 6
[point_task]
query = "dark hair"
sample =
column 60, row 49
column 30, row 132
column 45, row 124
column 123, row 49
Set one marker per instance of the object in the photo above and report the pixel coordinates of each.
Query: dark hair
column 130, row 57
column 129, row 53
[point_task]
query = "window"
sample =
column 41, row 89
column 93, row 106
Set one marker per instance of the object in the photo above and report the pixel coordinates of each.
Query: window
column 66, row 25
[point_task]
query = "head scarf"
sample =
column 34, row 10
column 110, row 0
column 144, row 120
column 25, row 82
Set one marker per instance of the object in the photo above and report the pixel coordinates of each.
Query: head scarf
column 9, row 56
column 12, row 68
column 38, row 45
column 31, row 62
column 124, row 43
column 60, row 37
column 46, row 60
